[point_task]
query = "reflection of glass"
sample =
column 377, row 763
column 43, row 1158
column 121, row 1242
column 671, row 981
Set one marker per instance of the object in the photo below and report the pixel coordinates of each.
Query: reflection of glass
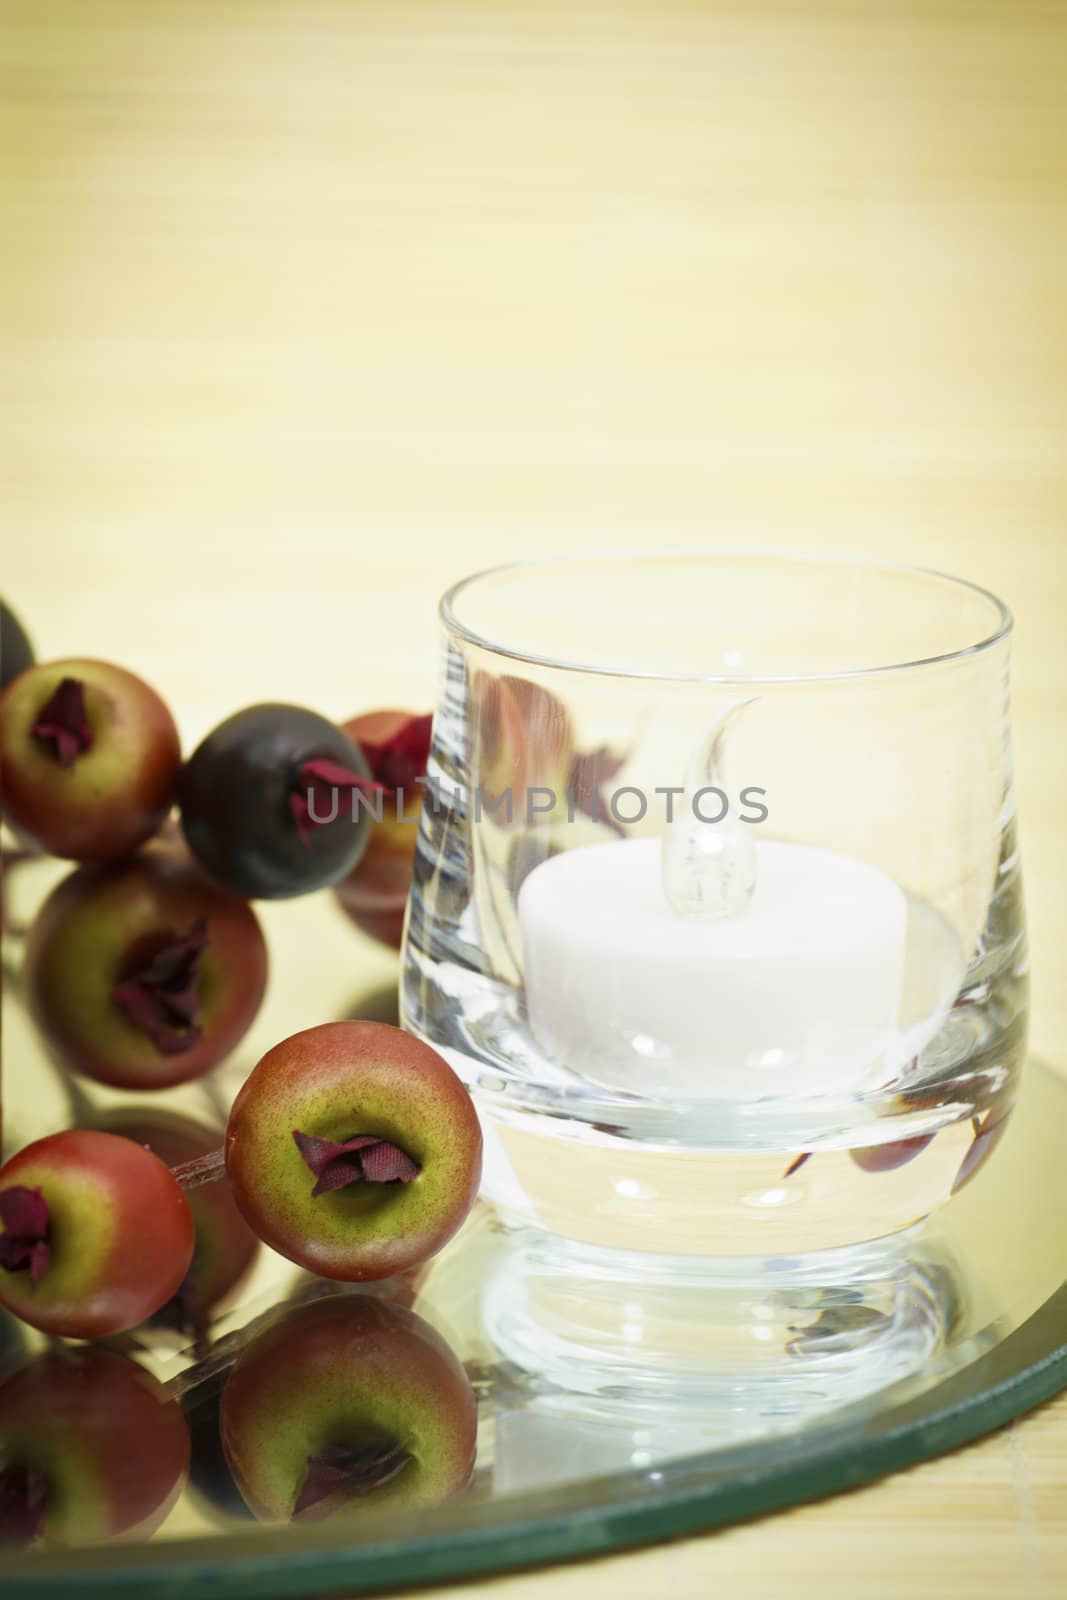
column 736, row 1352
column 804, row 1042
column 595, row 1468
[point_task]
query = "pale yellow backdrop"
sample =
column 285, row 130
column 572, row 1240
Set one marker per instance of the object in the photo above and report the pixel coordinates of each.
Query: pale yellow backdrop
column 312, row 305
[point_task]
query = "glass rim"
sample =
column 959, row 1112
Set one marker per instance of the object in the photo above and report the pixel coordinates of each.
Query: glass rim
column 617, row 558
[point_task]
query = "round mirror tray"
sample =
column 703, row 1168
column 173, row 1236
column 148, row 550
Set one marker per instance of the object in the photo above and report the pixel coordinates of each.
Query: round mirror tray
column 291, row 1437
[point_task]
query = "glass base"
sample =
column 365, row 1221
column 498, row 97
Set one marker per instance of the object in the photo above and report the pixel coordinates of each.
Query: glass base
column 756, row 1343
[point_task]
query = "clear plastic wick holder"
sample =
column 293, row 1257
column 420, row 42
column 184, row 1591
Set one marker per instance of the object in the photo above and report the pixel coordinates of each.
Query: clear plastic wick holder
column 708, row 866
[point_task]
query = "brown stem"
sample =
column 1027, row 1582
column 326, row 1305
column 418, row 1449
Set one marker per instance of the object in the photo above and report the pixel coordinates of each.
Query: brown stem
column 202, row 1169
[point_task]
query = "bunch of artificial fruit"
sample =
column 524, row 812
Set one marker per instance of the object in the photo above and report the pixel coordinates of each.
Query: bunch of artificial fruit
column 337, row 1404
column 90, row 768
column 353, row 1149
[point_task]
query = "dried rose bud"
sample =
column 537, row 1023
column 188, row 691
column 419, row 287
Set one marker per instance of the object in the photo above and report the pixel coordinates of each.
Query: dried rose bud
column 61, row 724
column 362, row 1156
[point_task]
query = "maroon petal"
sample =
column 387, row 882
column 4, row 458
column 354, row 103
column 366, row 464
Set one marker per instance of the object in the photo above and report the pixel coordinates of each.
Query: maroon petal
column 24, row 1211
column 24, row 1241
column 40, row 1261
column 387, row 1163
column 163, row 996
column 397, row 762
column 318, row 1153
column 337, row 1163
column 338, row 1175
column 796, row 1164
column 340, row 1473
column 334, row 1164
column 987, row 1135
column 23, row 1492
column 314, row 800
column 888, row 1157
column 62, row 723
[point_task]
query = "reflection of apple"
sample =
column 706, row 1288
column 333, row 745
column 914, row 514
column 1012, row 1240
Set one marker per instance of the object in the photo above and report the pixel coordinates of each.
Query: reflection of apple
column 143, row 973
column 347, row 1404
column 525, row 742
column 209, row 1471
column 379, row 915
column 225, row 1245
column 396, row 745
column 91, row 1448
column 888, row 1157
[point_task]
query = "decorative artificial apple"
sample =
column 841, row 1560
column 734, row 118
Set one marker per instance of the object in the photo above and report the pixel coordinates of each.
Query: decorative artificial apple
column 396, row 746
column 143, row 973
column 354, row 1150
column 95, row 1234
column 16, row 651
column 91, row 1448
column 225, row 1246
column 267, row 802
column 347, row 1405
column 89, row 756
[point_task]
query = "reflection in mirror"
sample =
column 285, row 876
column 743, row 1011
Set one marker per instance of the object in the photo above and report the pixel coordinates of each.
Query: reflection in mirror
column 92, row 1448
column 225, row 1247
column 347, row 1404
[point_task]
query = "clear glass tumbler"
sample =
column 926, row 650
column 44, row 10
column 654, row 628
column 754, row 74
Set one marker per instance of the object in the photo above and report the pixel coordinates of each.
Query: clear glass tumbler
column 716, row 902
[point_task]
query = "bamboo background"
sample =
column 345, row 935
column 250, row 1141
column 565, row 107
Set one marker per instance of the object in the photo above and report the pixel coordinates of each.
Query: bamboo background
column 310, row 306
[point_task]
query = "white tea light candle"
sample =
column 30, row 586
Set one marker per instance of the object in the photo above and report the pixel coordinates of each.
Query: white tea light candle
column 796, row 994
